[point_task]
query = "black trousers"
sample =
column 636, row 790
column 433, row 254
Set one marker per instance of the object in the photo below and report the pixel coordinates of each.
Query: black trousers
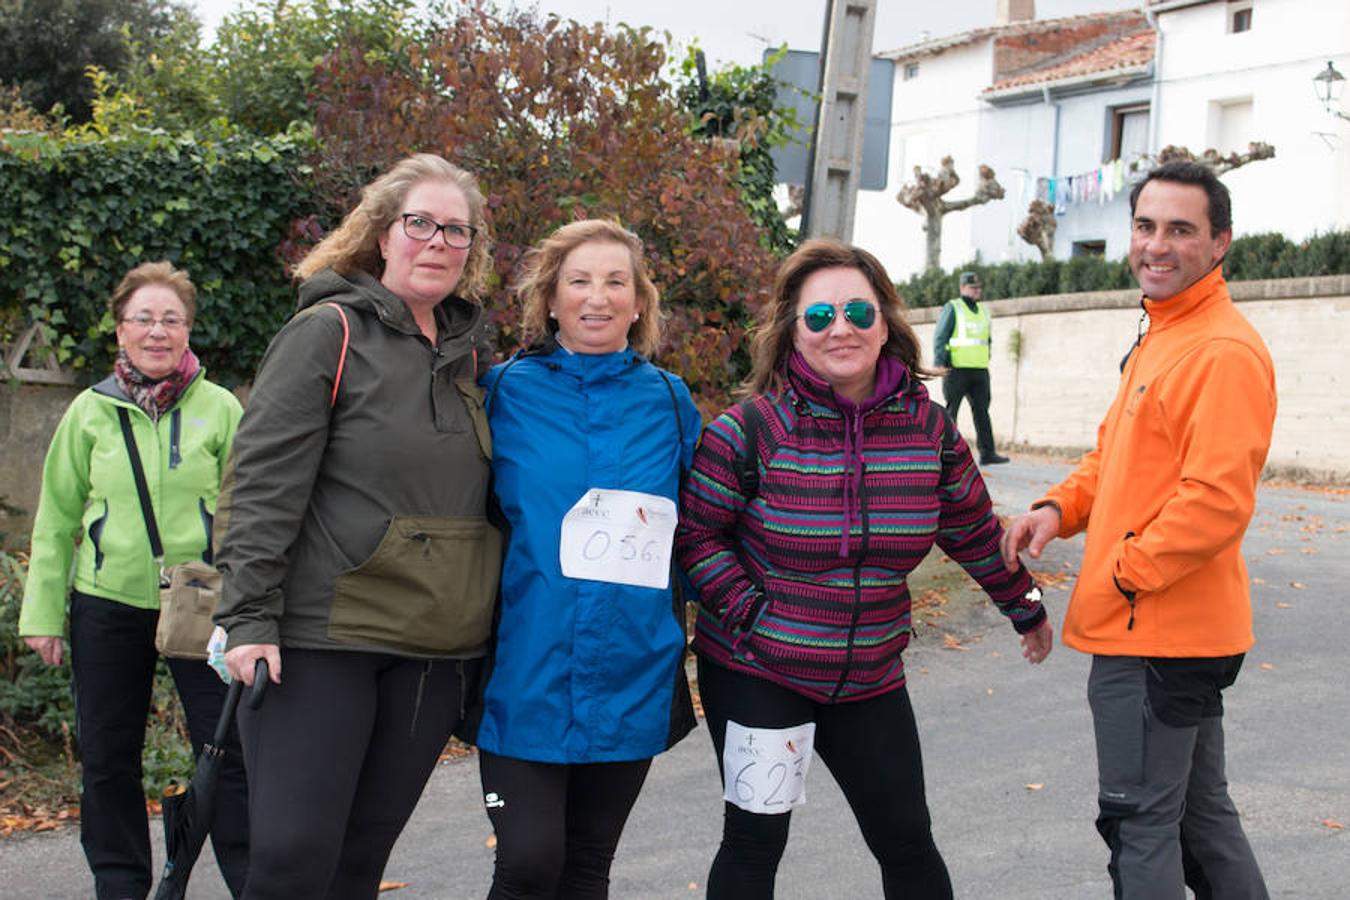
column 871, row 748
column 112, row 659
column 960, row 384
column 337, row 757
column 557, row 824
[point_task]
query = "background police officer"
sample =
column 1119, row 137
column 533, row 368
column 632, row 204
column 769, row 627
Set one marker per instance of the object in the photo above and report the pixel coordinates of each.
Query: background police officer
column 961, row 349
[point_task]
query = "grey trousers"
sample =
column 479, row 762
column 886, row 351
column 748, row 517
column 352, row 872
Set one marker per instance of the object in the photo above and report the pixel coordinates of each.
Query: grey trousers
column 1165, row 812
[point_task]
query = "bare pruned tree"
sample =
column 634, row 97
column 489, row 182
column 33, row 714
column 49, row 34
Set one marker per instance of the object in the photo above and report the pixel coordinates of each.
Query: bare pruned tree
column 1256, row 150
column 924, row 196
column 1038, row 228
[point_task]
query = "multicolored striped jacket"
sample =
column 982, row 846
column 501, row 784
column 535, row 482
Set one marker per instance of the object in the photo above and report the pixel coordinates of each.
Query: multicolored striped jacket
column 800, row 589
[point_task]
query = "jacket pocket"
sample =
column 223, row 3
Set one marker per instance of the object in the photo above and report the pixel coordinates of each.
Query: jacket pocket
column 429, row 588
column 95, row 532
column 473, row 397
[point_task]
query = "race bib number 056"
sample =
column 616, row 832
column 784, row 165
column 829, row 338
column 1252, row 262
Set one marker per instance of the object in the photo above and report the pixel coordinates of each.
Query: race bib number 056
column 764, row 769
column 623, row 537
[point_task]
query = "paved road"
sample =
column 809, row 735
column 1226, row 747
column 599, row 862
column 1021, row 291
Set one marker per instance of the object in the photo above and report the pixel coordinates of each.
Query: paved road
column 992, row 727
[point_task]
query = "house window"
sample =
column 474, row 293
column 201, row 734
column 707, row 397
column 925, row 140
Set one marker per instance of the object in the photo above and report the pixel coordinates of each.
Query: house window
column 1089, row 248
column 1231, row 125
column 1239, row 17
column 1129, row 132
column 911, row 71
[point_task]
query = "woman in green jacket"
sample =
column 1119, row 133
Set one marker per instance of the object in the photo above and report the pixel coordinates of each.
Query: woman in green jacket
column 90, row 511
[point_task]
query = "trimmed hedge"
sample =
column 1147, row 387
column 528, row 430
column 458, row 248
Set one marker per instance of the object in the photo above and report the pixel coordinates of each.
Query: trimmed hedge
column 76, row 212
column 1250, row 258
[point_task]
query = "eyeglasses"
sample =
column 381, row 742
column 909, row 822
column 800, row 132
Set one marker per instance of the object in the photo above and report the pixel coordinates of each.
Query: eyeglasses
column 169, row 322
column 457, row 235
column 861, row 314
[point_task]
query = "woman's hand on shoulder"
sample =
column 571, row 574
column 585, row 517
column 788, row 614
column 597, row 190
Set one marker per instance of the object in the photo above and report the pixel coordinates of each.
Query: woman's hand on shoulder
column 240, row 661
column 49, row 647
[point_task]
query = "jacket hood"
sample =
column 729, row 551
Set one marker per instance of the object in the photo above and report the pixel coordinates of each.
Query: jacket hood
column 361, row 290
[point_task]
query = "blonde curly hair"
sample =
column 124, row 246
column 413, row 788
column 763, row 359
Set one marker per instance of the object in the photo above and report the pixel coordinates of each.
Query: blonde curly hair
column 355, row 244
column 538, row 281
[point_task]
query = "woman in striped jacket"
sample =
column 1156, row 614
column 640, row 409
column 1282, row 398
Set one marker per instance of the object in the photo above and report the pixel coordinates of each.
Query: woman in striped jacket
column 807, row 507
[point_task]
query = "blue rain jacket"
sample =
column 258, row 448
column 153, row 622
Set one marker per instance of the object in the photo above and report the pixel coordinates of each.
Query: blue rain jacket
column 584, row 670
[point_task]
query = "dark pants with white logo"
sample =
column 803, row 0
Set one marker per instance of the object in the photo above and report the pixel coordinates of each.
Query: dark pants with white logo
column 557, row 824
column 960, row 384
column 1163, row 795
column 112, row 661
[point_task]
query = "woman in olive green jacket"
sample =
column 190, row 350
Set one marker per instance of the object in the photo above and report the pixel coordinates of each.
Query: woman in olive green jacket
column 357, row 558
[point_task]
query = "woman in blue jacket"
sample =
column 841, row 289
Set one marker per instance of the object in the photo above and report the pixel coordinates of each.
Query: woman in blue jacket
column 588, row 681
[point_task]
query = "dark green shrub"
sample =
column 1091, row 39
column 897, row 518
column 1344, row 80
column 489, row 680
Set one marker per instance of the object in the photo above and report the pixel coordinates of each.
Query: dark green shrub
column 79, row 211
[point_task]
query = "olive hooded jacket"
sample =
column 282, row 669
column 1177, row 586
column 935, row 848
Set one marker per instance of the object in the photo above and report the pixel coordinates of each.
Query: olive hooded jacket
column 356, row 520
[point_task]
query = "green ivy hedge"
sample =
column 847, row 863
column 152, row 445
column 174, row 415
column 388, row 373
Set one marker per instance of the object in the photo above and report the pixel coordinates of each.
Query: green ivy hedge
column 76, row 212
column 1250, row 258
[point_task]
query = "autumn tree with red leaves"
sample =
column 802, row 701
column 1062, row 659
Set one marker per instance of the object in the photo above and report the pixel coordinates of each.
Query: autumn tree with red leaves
column 562, row 121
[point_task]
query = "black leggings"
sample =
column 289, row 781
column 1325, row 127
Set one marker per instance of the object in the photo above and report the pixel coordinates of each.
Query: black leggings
column 337, row 757
column 872, row 749
column 557, row 824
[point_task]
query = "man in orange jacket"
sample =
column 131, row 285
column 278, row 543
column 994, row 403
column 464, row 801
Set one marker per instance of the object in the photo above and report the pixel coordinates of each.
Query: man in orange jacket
column 1162, row 599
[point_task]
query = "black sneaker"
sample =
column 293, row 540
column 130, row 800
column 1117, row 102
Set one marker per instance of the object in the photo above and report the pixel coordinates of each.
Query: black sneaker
column 993, row 459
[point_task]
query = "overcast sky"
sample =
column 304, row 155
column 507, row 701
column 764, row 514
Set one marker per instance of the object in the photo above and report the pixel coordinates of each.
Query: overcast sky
column 739, row 30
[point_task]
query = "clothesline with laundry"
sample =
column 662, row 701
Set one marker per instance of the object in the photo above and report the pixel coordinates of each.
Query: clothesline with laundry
column 1099, row 185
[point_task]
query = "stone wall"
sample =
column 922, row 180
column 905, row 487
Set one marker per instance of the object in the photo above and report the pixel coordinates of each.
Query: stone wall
column 28, row 417
column 1056, row 365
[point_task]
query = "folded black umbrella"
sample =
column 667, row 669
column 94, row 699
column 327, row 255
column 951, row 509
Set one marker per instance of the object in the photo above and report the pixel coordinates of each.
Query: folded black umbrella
column 188, row 813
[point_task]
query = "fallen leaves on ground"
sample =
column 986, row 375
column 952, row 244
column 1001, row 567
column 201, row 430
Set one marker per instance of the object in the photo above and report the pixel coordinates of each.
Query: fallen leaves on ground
column 392, row 886
column 491, row 842
column 1283, row 605
column 37, row 820
column 1332, row 824
column 1297, row 585
column 1267, row 667
column 1034, row 786
column 951, row 642
column 1048, row 579
column 1276, row 551
column 456, row 749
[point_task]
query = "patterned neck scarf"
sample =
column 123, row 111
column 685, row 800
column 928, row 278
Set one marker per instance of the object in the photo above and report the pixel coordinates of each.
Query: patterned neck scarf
column 155, row 395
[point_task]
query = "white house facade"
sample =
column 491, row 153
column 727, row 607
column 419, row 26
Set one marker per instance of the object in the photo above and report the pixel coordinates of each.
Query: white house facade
column 1052, row 105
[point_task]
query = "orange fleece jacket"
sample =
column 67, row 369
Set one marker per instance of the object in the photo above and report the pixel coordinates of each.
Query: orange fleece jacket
column 1167, row 493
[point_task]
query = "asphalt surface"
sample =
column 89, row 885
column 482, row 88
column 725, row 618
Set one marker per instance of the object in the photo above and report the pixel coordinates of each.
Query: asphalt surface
column 1008, row 755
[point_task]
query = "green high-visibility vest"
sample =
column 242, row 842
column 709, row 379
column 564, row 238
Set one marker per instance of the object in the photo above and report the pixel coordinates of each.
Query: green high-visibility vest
column 969, row 344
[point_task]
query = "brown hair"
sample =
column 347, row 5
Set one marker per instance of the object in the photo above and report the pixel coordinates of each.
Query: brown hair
column 355, row 244
column 539, row 280
column 773, row 341
column 162, row 272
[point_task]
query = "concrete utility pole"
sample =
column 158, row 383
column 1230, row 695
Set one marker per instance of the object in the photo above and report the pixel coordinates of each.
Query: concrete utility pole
column 837, row 141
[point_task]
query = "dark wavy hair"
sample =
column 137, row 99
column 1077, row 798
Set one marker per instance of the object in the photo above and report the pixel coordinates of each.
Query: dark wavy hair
column 773, row 342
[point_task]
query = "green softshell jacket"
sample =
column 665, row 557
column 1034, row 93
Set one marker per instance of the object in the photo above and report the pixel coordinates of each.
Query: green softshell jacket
column 89, row 496
column 357, row 521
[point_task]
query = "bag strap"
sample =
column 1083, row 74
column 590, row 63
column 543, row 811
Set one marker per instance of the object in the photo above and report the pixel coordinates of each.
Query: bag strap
column 342, row 358
column 679, row 423
column 747, row 469
column 142, row 488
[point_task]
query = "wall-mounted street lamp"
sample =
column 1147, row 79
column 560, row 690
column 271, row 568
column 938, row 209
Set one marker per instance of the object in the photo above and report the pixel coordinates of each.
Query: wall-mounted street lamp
column 1329, row 83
